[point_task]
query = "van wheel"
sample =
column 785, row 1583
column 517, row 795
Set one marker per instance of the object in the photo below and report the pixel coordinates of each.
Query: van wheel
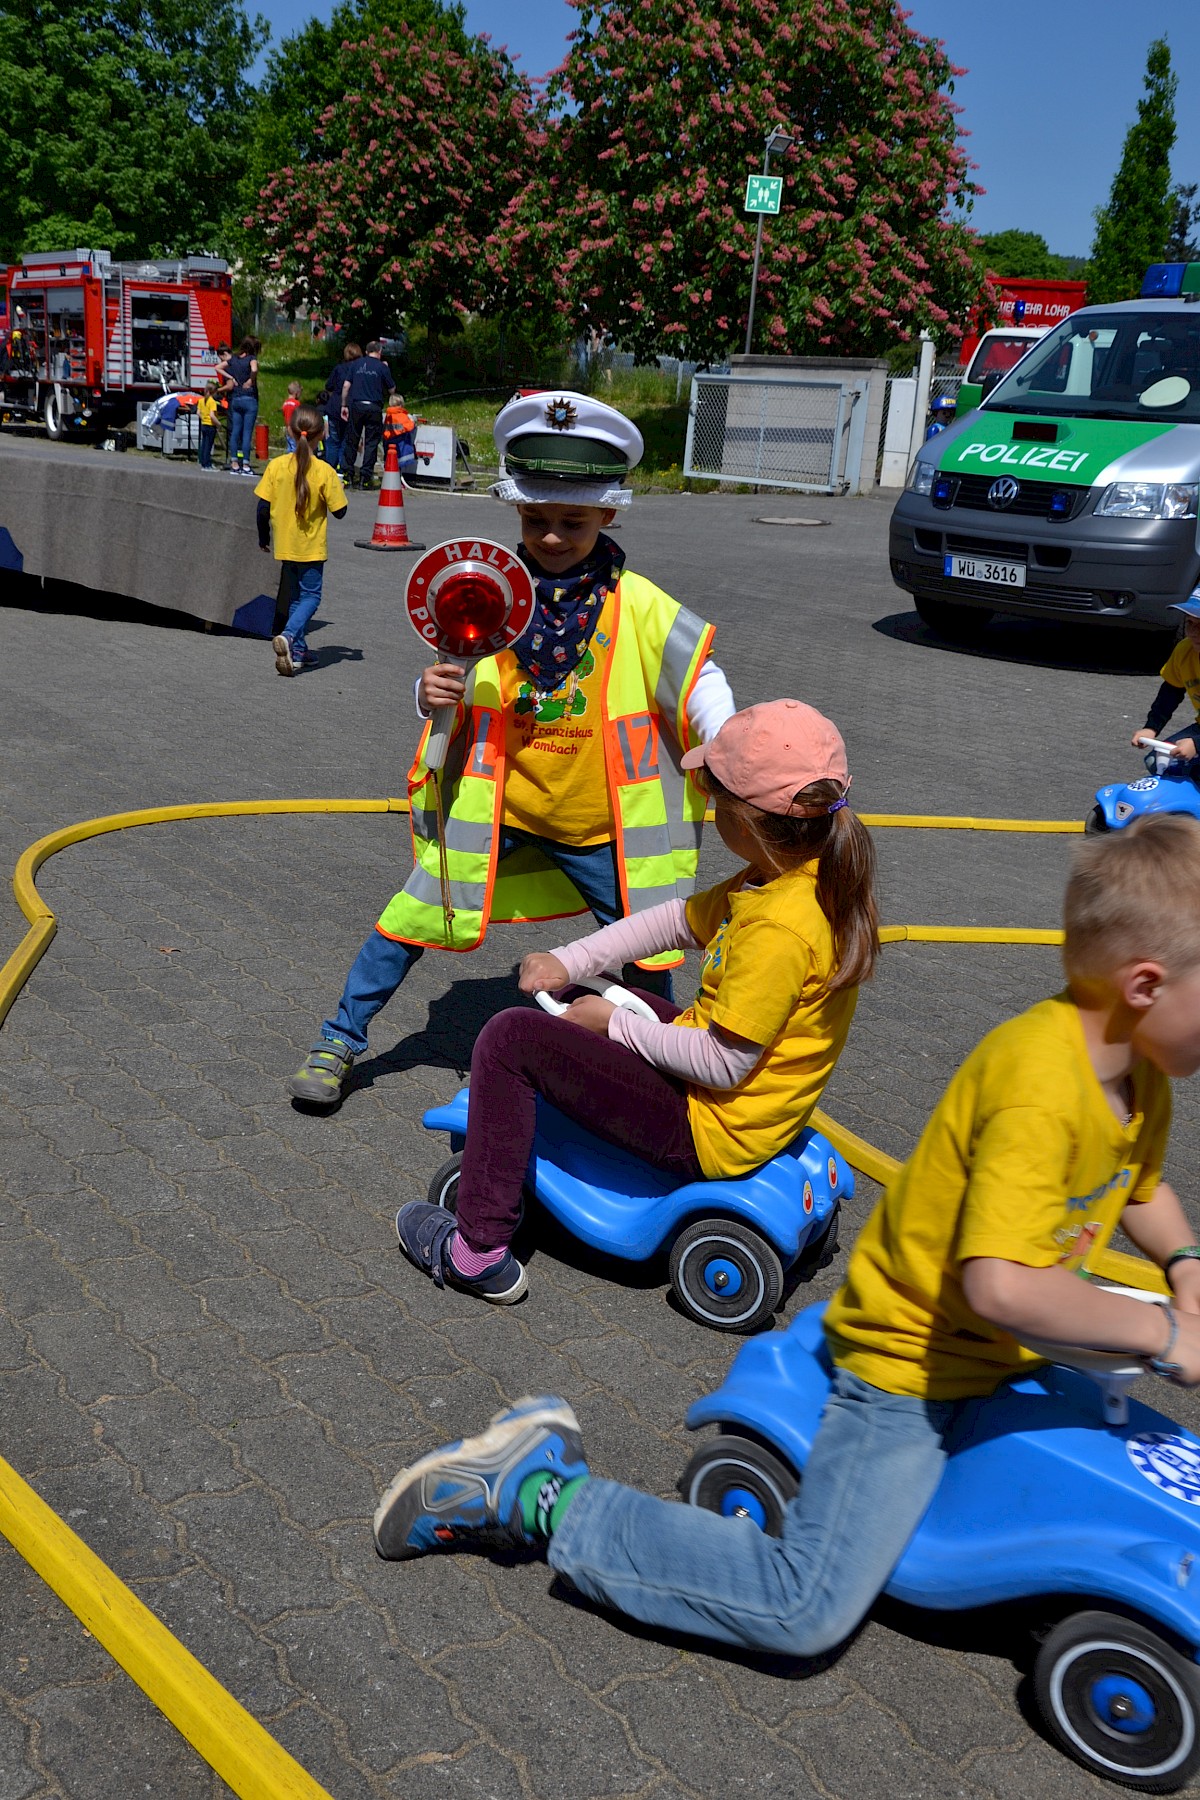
column 960, row 624
column 51, row 416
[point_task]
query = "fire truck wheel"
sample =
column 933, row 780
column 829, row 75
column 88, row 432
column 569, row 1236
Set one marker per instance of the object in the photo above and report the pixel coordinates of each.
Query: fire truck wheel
column 52, row 417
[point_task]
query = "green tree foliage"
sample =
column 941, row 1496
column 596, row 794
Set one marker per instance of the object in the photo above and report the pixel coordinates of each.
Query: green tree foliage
column 664, row 107
column 392, row 214
column 303, row 77
column 1182, row 245
column 122, row 122
column 1133, row 229
column 1022, row 255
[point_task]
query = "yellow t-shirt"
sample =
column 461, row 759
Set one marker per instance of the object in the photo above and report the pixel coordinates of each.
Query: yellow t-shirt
column 206, row 409
column 766, row 973
column 1023, row 1159
column 300, row 540
column 1182, row 670
column 555, row 783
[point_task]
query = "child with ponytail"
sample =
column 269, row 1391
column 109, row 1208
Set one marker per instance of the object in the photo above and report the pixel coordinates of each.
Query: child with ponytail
column 295, row 497
column 721, row 1087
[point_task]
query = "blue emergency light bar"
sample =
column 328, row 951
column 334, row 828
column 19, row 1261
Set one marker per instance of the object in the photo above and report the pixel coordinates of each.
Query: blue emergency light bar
column 1169, row 281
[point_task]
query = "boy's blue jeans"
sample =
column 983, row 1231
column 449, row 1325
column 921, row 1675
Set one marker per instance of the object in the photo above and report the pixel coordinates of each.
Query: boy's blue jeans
column 304, row 581
column 382, row 963
column 874, row 1466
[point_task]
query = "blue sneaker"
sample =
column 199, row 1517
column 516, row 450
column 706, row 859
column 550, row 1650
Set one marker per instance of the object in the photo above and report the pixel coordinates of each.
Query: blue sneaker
column 467, row 1494
column 425, row 1231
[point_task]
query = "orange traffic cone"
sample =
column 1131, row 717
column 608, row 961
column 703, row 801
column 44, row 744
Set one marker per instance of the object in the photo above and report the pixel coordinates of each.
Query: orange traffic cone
column 389, row 532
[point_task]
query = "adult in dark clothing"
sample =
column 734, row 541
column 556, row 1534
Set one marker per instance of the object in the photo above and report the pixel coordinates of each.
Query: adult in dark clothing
column 241, row 385
column 331, row 403
column 364, row 395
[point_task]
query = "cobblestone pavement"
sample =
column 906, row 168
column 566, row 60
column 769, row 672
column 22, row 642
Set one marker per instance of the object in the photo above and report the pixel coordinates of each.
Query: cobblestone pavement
column 213, row 1356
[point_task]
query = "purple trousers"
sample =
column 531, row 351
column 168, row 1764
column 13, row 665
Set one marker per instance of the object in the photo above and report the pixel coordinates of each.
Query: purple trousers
column 603, row 1086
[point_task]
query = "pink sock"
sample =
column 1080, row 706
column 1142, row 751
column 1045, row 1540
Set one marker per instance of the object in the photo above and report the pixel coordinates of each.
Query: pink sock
column 474, row 1262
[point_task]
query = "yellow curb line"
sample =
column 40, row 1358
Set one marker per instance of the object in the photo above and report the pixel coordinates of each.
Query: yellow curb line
column 247, row 1757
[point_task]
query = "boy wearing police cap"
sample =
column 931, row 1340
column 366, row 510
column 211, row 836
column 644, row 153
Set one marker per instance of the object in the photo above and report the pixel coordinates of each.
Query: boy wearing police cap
column 563, row 789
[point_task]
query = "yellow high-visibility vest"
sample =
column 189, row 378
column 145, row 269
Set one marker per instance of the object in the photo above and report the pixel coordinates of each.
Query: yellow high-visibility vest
column 658, row 648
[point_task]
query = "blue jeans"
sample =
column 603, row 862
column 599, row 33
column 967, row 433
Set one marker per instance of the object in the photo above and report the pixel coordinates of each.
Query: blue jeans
column 383, row 962
column 243, row 411
column 333, row 437
column 208, row 437
column 874, row 1467
column 304, row 596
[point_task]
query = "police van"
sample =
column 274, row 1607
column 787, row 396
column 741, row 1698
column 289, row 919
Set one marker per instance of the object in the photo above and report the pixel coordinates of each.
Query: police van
column 1070, row 492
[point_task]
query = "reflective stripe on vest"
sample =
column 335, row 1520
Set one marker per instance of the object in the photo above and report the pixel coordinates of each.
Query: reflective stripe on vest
column 650, row 670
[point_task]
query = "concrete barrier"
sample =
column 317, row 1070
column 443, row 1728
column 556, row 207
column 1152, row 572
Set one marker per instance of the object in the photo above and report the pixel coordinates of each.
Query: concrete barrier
column 140, row 526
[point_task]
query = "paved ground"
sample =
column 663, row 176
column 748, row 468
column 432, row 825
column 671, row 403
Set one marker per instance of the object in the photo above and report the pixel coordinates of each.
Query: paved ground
column 213, row 1356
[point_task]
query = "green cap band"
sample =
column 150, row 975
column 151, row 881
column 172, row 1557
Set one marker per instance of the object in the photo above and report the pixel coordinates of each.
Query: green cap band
column 573, row 458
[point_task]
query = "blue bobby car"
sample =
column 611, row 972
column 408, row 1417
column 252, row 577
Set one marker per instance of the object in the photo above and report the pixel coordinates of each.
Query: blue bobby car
column 1165, row 790
column 731, row 1242
column 1080, row 1503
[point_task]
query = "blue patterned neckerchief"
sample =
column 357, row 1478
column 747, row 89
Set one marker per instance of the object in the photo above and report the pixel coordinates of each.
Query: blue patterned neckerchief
column 566, row 612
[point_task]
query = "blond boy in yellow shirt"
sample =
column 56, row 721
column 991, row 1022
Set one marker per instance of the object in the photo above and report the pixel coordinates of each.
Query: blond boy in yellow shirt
column 1053, row 1129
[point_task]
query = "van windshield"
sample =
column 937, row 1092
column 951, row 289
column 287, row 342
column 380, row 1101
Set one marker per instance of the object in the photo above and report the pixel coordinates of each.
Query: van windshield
column 1130, row 365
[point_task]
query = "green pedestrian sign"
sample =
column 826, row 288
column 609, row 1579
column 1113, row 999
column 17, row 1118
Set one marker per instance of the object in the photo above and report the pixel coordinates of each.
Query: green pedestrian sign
column 763, row 193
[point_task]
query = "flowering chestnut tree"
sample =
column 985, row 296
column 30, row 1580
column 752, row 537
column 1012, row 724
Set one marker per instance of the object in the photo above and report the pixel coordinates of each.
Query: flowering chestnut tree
column 663, row 108
column 412, row 168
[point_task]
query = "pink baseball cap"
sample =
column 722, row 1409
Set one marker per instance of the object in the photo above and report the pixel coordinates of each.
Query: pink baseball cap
column 766, row 754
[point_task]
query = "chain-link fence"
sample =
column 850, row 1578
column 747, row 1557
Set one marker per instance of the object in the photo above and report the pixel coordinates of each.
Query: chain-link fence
column 789, row 433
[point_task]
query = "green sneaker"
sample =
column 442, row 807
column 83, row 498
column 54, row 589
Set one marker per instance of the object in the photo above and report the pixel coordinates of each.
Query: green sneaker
column 323, row 1074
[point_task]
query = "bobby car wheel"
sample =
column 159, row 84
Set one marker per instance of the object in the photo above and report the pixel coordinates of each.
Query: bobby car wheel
column 1120, row 1701
column 443, row 1189
column 1095, row 822
column 739, row 1478
column 726, row 1275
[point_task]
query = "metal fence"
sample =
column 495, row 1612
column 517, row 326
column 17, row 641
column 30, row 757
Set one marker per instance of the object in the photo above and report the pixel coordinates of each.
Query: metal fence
column 945, row 380
column 787, row 432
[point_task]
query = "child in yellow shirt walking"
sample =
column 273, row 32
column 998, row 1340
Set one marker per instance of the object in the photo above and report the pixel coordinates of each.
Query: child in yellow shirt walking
column 296, row 495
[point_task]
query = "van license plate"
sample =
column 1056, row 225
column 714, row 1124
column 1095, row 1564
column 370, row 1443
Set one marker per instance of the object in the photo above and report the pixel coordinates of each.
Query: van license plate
column 979, row 568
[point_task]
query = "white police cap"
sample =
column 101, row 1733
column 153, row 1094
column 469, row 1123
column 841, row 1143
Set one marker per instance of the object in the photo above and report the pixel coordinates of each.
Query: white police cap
column 558, row 446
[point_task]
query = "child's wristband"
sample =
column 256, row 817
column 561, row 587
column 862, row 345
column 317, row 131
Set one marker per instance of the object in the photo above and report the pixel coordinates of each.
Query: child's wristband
column 1186, row 1253
column 1162, row 1364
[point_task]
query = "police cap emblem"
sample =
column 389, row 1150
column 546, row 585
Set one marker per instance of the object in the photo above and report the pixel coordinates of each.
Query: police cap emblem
column 561, row 414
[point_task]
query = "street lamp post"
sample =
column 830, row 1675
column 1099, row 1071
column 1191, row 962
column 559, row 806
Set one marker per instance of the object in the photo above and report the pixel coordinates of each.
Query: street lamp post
column 777, row 142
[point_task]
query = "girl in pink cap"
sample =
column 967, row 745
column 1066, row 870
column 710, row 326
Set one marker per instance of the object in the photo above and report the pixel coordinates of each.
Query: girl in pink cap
column 714, row 1090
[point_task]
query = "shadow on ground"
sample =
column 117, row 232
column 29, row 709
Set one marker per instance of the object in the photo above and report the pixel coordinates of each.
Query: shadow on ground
column 1037, row 643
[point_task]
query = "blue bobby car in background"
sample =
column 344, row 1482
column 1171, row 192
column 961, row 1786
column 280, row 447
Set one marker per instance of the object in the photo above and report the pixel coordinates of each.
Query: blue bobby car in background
column 1078, row 1502
column 731, row 1242
column 1167, row 788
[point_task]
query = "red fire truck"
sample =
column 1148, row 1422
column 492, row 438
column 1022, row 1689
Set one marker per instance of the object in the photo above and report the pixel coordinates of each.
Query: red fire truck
column 1030, row 304
column 83, row 339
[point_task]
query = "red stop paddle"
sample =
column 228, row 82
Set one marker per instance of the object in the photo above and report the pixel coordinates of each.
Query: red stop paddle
column 466, row 598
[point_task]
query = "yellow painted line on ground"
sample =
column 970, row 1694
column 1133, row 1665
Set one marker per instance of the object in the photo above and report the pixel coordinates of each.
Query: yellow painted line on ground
column 42, row 922
column 935, row 822
column 245, row 1755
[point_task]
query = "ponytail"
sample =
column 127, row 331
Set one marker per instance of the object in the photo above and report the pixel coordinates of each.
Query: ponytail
column 845, row 858
column 306, row 422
